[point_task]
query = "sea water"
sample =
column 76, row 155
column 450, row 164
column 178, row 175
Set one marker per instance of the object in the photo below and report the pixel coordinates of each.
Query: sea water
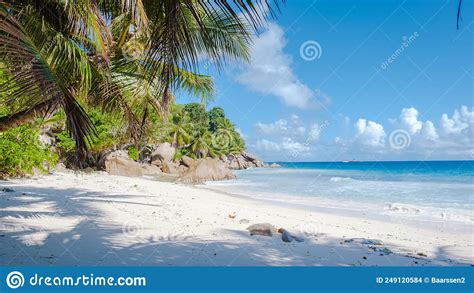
column 433, row 190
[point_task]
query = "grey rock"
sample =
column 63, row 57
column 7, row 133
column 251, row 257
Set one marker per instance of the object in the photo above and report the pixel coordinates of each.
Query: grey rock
column 250, row 157
column 206, row 169
column 274, row 165
column 163, row 153
column 150, row 169
column 6, row 189
column 187, row 161
column 170, row 168
column 288, row 237
column 118, row 163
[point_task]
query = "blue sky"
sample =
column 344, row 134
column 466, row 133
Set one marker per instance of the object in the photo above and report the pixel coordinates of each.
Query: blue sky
column 387, row 80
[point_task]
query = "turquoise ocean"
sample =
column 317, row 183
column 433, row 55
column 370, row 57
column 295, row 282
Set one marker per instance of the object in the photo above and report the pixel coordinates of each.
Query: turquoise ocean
column 429, row 190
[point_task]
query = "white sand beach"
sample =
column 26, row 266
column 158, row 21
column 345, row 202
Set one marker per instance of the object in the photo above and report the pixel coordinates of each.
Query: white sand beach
column 99, row 219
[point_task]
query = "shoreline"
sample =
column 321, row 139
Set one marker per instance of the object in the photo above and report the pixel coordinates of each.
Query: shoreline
column 429, row 223
column 99, row 219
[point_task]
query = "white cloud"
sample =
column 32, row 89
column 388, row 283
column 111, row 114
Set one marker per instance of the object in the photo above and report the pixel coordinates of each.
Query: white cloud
column 270, row 71
column 267, row 146
column 409, row 119
column 293, row 147
column 460, row 121
column 285, row 148
column 429, row 132
column 279, row 126
column 370, row 133
column 448, row 136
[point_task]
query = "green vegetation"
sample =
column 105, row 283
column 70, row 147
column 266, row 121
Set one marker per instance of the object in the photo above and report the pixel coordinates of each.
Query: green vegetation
column 21, row 152
column 190, row 131
column 105, row 73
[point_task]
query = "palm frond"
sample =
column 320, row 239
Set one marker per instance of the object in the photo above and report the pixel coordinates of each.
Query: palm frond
column 43, row 72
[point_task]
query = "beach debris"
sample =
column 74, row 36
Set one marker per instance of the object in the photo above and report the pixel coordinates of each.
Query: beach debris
column 287, row 237
column 382, row 250
column 6, row 189
column 205, row 170
column 397, row 207
column 365, row 241
column 263, row 229
column 421, row 254
column 244, row 221
column 232, row 215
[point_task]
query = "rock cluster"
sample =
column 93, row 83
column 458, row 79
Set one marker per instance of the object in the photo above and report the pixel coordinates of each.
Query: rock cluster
column 162, row 159
column 242, row 161
column 206, row 169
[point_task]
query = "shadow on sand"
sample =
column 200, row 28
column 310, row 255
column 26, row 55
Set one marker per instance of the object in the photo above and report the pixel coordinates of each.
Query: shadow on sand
column 77, row 233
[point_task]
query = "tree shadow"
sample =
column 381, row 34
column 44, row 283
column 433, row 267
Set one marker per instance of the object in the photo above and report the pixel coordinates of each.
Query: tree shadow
column 44, row 226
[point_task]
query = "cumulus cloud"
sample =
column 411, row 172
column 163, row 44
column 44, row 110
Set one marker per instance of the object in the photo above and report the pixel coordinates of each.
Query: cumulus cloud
column 459, row 122
column 279, row 126
column 270, row 72
column 267, row 145
column 369, row 133
column 286, row 147
column 428, row 131
column 409, row 119
column 448, row 136
column 287, row 138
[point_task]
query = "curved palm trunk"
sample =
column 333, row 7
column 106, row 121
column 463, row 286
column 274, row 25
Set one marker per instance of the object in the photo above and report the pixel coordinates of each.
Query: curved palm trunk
column 43, row 109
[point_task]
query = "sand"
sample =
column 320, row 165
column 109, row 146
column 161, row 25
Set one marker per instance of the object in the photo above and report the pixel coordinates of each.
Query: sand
column 99, row 219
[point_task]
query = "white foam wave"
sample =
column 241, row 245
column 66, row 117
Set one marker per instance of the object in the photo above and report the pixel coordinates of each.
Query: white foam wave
column 338, row 179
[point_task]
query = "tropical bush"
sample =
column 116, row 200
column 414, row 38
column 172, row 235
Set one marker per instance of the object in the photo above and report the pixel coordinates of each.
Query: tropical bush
column 109, row 133
column 197, row 133
column 21, row 152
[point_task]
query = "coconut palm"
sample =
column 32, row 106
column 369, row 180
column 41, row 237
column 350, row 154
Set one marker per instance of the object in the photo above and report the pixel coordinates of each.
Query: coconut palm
column 201, row 144
column 179, row 129
column 61, row 54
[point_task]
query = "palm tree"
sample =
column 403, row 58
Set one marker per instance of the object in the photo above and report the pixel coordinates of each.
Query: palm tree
column 201, row 144
column 179, row 129
column 62, row 54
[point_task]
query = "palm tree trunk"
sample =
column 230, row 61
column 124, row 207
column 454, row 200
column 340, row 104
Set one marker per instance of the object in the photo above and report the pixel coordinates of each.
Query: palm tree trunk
column 43, row 109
